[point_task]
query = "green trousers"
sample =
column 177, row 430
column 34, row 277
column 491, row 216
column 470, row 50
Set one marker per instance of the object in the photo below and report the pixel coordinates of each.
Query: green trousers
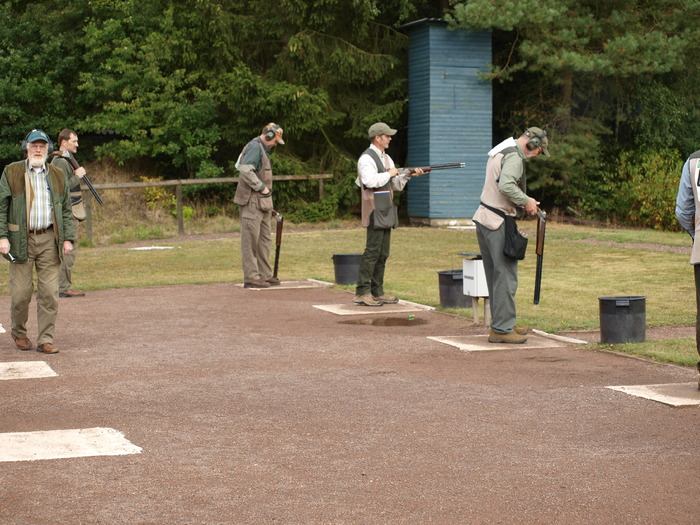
column 371, row 276
column 501, row 277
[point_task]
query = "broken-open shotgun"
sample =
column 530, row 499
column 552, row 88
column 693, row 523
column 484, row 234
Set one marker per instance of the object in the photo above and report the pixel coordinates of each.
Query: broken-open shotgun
column 539, row 250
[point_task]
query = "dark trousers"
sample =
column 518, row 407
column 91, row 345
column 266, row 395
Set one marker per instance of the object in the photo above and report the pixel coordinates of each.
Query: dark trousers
column 696, row 267
column 371, row 277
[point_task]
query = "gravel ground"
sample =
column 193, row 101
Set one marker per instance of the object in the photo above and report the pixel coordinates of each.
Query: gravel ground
column 254, row 407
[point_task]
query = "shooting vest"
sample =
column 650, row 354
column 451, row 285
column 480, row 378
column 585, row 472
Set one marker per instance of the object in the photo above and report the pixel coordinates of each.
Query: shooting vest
column 244, row 193
column 368, row 193
column 492, row 196
column 694, row 168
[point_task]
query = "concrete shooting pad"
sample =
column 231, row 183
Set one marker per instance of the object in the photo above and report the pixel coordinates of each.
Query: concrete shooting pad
column 259, row 408
column 25, row 370
column 480, row 343
column 62, row 444
column 286, row 285
column 356, row 309
column 674, row 394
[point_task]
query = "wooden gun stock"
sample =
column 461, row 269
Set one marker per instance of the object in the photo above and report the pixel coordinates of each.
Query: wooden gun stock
column 539, row 250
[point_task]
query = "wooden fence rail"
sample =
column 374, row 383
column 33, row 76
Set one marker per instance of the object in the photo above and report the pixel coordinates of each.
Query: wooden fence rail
column 179, row 183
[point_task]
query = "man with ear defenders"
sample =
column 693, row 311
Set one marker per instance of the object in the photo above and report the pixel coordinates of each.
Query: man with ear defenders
column 504, row 190
column 36, row 230
column 254, row 196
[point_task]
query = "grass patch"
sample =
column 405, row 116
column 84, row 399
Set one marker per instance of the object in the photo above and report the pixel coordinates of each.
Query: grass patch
column 678, row 351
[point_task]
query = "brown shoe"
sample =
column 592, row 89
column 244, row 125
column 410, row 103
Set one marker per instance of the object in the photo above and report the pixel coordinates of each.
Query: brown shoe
column 256, row 284
column 274, row 281
column 386, row 299
column 511, row 337
column 366, row 300
column 23, row 343
column 72, row 293
column 47, row 348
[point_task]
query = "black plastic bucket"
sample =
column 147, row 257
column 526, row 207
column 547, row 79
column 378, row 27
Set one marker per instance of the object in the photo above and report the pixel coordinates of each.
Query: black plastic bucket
column 452, row 289
column 623, row 319
column 347, row 267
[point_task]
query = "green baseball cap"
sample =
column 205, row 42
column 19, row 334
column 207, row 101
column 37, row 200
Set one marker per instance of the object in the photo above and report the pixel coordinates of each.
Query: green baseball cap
column 380, row 129
column 37, row 134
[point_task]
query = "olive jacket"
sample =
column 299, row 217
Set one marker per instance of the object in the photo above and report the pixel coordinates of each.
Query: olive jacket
column 16, row 203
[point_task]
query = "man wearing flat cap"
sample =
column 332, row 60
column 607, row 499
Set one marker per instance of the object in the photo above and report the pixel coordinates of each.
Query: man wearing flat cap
column 503, row 194
column 377, row 178
column 254, row 196
column 36, row 230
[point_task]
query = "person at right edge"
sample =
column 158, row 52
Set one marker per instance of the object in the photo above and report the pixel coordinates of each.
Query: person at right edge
column 504, row 190
column 688, row 213
column 67, row 147
column 254, row 196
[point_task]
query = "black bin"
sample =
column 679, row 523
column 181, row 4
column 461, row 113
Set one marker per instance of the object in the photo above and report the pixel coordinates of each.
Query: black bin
column 452, row 289
column 347, row 267
column 623, row 319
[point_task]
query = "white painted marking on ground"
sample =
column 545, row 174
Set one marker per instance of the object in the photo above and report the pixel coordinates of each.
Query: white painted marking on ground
column 356, row 309
column 142, row 248
column 286, row 285
column 61, row 444
column 674, row 394
column 2, row 330
column 25, row 370
column 479, row 343
column 559, row 337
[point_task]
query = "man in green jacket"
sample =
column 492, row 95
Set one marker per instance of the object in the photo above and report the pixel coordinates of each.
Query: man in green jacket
column 36, row 230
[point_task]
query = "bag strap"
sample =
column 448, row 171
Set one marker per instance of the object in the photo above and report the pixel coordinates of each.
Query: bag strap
column 494, row 210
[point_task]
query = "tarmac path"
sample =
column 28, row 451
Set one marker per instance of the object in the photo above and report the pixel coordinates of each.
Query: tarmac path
column 254, row 407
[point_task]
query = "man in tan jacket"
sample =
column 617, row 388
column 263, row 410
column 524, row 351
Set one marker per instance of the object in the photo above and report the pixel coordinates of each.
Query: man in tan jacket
column 505, row 170
column 254, row 196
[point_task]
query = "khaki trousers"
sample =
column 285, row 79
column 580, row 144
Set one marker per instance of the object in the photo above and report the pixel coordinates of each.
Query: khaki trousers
column 42, row 254
column 65, row 277
column 256, row 241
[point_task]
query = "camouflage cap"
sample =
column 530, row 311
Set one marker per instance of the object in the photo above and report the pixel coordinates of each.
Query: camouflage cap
column 540, row 134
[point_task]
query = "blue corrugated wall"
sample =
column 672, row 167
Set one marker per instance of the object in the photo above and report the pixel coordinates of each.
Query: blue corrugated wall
column 449, row 118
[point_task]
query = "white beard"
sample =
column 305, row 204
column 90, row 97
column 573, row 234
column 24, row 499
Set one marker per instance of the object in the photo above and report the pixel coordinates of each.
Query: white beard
column 37, row 161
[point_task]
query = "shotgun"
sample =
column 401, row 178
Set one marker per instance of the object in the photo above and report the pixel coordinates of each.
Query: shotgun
column 278, row 240
column 428, row 169
column 539, row 250
column 74, row 164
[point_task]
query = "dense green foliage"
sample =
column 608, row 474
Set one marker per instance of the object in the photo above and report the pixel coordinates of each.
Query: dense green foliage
column 615, row 85
column 186, row 84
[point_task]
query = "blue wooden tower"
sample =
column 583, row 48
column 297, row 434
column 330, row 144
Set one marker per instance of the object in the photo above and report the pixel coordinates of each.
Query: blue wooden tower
column 449, row 120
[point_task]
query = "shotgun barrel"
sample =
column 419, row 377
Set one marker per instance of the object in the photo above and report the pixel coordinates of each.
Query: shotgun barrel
column 539, row 250
column 428, row 169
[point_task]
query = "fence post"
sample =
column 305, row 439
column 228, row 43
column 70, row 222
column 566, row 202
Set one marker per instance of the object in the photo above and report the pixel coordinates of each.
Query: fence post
column 180, row 222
